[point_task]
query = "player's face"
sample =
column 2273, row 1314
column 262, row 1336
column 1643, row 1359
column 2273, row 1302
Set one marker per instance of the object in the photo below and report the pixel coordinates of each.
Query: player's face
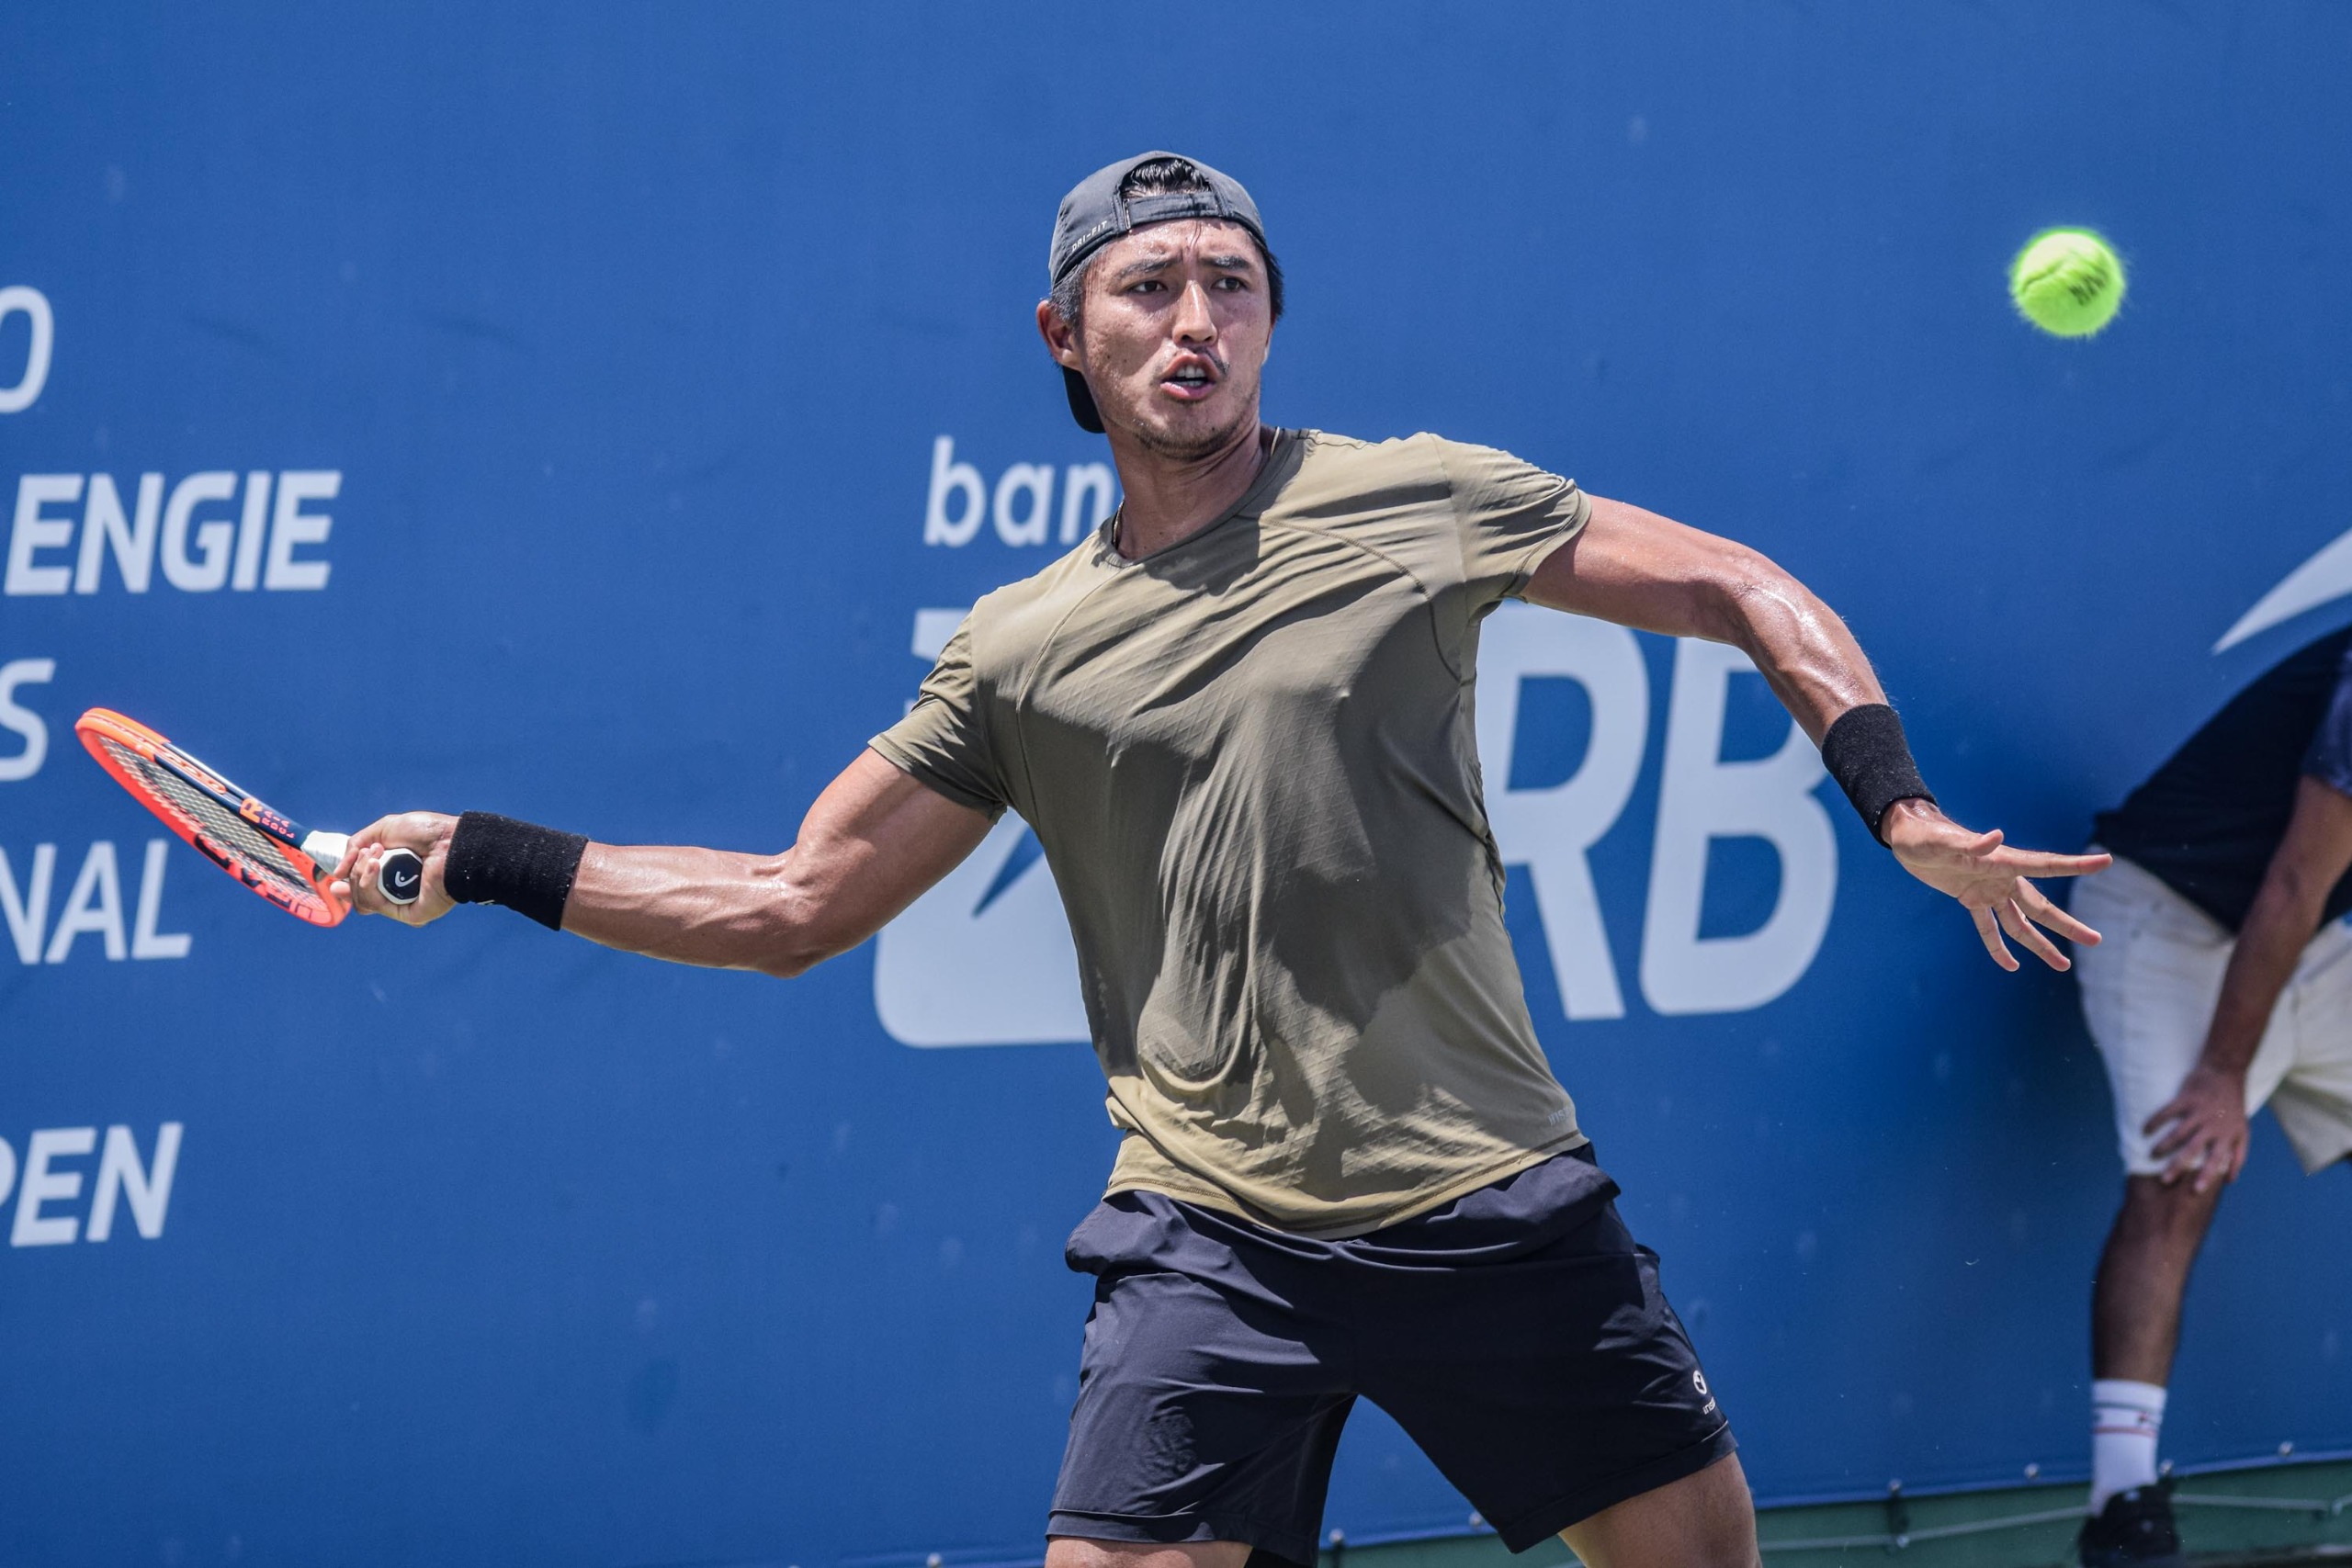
column 1173, row 334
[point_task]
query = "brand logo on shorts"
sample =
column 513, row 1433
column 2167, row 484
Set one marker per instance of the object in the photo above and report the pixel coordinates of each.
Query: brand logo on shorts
column 1699, row 1382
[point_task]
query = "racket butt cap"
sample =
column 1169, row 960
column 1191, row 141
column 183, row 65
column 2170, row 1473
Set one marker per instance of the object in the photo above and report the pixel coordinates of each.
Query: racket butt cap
column 401, row 876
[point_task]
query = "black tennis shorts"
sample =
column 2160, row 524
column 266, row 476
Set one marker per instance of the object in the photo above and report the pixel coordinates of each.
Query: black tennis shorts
column 1518, row 1334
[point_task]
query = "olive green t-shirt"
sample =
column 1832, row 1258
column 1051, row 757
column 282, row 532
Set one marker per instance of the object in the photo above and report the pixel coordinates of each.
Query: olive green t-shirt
column 1250, row 761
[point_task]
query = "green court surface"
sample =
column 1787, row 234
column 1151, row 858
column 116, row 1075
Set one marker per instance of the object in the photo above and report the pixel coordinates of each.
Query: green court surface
column 2275, row 1513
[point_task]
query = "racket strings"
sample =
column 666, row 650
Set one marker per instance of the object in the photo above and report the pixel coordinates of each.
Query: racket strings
column 214, row 818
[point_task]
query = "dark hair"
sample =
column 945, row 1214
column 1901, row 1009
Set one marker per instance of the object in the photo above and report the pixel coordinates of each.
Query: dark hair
column 1160, row 176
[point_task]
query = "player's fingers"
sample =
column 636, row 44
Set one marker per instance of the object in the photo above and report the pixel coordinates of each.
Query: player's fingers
column 367, row 839
column 2023, row 931
column 2016, row 922
column 2042, row 862
column 368, row 896
column 1991, row 934
column 351, row 879
column 2186, row 1160
column 2172, row 1110
column 2038, row 907
column 2208, row 1163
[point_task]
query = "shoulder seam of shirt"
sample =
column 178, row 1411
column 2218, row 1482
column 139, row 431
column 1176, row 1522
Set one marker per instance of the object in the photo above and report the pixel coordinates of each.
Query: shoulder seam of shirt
column 980, row 696
column 1461, row 529
column 1461, row 545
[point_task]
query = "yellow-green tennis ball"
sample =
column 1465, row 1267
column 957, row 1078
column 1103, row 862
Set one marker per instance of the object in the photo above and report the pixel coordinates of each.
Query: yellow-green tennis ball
column 2068, row 282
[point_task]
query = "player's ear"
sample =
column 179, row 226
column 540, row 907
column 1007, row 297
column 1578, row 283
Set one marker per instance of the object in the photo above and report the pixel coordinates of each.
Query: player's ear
column 1061, row 338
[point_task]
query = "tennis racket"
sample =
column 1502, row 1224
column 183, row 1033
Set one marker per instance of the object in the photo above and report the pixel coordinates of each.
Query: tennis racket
column 257, row 844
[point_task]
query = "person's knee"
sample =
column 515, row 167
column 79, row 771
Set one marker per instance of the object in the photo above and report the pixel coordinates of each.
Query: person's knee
column 1725, row 1539
column 1728, row 1547
column 1725, row 1519
column 1704, row 1520
column 2177, row 1211
column 1081, row 1552
column 1730, row 1539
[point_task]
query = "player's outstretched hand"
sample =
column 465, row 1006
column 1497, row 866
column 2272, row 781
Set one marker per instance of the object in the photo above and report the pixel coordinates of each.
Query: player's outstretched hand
column 1989, row 879
column 426, row 832
column 2208, row 1139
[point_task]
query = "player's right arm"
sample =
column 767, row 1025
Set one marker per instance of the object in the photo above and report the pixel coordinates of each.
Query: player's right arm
column 873, row 841
column 2207, row 1137
column 1638, row 569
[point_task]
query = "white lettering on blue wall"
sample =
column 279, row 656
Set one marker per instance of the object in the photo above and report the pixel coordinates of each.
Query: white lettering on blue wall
column 42, row 930
column 21, row 721
column 1019, row 506
column 82, row 532
column 52, row 1208
column 20, row 299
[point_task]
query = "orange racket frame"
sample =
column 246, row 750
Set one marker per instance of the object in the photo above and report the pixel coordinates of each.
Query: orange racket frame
column 261, row 847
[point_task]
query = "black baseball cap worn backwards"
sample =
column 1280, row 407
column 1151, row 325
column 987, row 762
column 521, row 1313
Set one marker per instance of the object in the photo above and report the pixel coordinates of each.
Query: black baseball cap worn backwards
column 1094, row 213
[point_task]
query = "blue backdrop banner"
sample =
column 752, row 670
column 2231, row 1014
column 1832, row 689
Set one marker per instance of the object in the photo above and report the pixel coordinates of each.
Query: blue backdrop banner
column 599, row 413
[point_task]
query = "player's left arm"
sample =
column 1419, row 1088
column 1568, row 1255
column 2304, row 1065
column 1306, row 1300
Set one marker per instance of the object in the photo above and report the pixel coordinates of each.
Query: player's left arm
column 1640, row 569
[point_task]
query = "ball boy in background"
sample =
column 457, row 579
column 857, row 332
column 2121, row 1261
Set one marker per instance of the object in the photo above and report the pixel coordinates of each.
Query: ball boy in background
column 2224, row 983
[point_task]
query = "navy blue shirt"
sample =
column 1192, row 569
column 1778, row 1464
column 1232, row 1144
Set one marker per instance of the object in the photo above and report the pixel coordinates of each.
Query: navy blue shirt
column 2208, row 820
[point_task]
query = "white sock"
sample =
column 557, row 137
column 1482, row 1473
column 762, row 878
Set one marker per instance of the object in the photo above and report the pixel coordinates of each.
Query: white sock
column 2125, row 1418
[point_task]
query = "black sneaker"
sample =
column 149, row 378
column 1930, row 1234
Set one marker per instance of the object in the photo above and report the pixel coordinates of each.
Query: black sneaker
column 2134, row 1530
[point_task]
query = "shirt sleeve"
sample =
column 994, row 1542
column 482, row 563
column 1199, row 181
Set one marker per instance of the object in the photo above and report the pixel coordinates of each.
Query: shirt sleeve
column 2329, row 759
column 943, row 739
column 1510, row 514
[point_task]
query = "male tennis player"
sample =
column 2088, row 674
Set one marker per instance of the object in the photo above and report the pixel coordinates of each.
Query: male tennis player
column 1238, row 719
column 2228, row 986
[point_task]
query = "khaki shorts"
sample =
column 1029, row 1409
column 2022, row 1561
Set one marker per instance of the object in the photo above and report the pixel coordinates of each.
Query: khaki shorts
column 2149, row 991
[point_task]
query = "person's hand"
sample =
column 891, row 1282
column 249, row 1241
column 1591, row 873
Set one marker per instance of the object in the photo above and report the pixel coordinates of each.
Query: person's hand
column 426, row 832
column 1989, row 879
column 2209, row 1132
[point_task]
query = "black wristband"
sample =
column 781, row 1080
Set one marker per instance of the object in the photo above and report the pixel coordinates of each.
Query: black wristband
column 496, row 860
column 1866, row 753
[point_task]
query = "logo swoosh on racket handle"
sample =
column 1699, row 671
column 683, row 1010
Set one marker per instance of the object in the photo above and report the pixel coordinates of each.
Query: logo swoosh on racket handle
column 399, row 875
column 263, row 848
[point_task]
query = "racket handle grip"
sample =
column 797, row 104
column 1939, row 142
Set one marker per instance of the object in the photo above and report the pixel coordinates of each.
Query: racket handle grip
column 325, row 849
column 399, row 875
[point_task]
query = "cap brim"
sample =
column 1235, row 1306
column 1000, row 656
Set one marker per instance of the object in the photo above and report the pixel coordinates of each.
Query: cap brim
column 1082, row 401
